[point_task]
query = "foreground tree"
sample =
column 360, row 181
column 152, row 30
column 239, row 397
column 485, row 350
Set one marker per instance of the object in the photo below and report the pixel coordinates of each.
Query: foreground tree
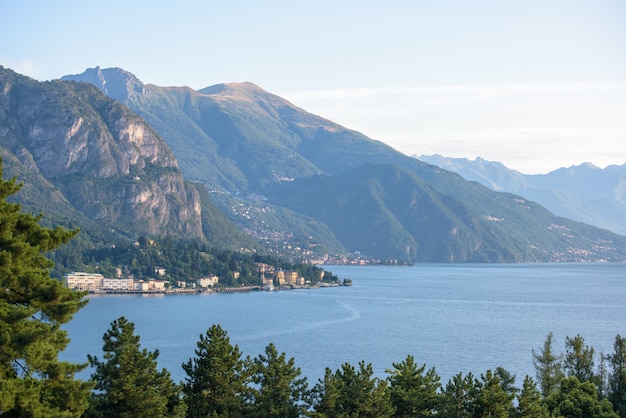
column 495, row 396
column 279, row 390
column 33, row 306
column 617, row 376
column 529, row 402
column 576, row 399
column 128, row 383
column 549, row 367
column 414, row 390
column 579, row 359
column 460, row 397
column 352, row 393
column 216, row 382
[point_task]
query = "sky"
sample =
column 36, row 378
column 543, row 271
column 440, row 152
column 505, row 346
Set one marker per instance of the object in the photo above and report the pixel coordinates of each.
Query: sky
column 534, row 84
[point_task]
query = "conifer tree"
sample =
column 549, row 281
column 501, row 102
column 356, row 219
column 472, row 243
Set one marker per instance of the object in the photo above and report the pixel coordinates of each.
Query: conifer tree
column 352, row 393
column 216, row 382
column 128, row 383
column 617, row 376
column 548, row 366
column 33, row 306
column 576, row 399
column 579, row 359
column 414, row 390
column 493, row 398
column 460, row 397
column 529, row 402
column 279, row 391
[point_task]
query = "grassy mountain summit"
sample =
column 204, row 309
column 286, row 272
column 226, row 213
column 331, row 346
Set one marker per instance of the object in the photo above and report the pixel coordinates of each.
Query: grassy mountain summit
column 239, row 139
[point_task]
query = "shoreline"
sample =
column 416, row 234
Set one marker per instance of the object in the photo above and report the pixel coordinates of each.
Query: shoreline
column 179, row 291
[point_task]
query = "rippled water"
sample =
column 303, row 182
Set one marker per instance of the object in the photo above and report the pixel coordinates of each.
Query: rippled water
column 456, row 318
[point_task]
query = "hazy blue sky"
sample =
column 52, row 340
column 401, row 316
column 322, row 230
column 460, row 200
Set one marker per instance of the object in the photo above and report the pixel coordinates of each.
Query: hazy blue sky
column 535, row 84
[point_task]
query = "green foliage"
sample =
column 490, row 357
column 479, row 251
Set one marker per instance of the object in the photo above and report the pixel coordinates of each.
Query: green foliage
column 387, row 212
column 495, row 396
column 33, row 306
column 182, row 260
column 349, row 392
column 414, row 391
column 460, row 396
column 548, row 366
column 217, row 379
column 617, row 377
column 278, row 391
column 128, row 383
column 529, row 401
column 579, row 359
column 576, row 399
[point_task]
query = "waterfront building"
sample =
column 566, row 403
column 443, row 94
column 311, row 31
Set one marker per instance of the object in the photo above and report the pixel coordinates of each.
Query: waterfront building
column 117, row 285
column 208, row 281
column 150, row 285
column 81, row 281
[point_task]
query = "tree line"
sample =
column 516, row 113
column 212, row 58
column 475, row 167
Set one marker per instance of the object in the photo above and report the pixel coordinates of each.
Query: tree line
column 220, row 382
column 181, row 260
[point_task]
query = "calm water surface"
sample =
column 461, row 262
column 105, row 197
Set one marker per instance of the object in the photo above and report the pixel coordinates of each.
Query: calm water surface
column 456, row 318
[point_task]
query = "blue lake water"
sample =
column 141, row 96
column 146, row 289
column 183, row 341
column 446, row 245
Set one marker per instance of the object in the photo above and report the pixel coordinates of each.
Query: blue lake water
column 455, row 318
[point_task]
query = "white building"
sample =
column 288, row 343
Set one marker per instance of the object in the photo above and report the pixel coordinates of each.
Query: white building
column 208, row 281
column 83, row 281
column 117, row 284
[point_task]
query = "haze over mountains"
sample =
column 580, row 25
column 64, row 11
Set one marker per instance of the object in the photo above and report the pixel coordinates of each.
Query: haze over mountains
column 284, row 176
column 585, row 193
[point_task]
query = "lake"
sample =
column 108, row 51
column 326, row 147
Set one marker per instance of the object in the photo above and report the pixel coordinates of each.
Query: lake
column 455, row 318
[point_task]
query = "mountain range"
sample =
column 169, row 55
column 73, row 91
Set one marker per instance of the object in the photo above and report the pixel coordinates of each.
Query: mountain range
column 126, row 157
column 584, row 193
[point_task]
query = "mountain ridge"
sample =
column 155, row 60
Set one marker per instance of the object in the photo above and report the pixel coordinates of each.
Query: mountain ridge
column 583, row 192
column 100, row 159
column 261, row 144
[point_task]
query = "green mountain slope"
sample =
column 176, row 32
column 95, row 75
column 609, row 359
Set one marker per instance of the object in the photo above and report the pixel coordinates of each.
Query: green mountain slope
column 387, row 211
column 243, row 139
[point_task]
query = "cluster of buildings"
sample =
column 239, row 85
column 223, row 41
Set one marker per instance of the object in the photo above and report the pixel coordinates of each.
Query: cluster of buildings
column 97, row 283
column 268, row 272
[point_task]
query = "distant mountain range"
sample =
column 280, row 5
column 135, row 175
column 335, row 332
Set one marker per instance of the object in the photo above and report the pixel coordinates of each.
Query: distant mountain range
column 293, row 181
column 584, row 193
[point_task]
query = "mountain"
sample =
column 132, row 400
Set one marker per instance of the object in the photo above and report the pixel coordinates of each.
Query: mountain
column 238, row 137
column 585, row 193
column 89, row 161
column 390, row 211
column 241, row 141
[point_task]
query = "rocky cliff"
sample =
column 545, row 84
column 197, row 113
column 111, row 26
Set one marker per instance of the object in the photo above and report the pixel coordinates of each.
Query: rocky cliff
column 105, row 160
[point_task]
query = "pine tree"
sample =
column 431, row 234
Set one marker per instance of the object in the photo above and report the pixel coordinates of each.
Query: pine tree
column 352, row 393
column 579, row 359
column 414, row 391
column 576, row 399
column 494, row 399
column 216, row 382
column 279, row 390
column 529, row 402
column 549, row 368
column 33, row 306
column 128, row 383
column 617, row 376
column 460, row 397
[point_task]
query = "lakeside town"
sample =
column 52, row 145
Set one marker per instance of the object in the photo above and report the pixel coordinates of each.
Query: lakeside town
column 270, row 279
